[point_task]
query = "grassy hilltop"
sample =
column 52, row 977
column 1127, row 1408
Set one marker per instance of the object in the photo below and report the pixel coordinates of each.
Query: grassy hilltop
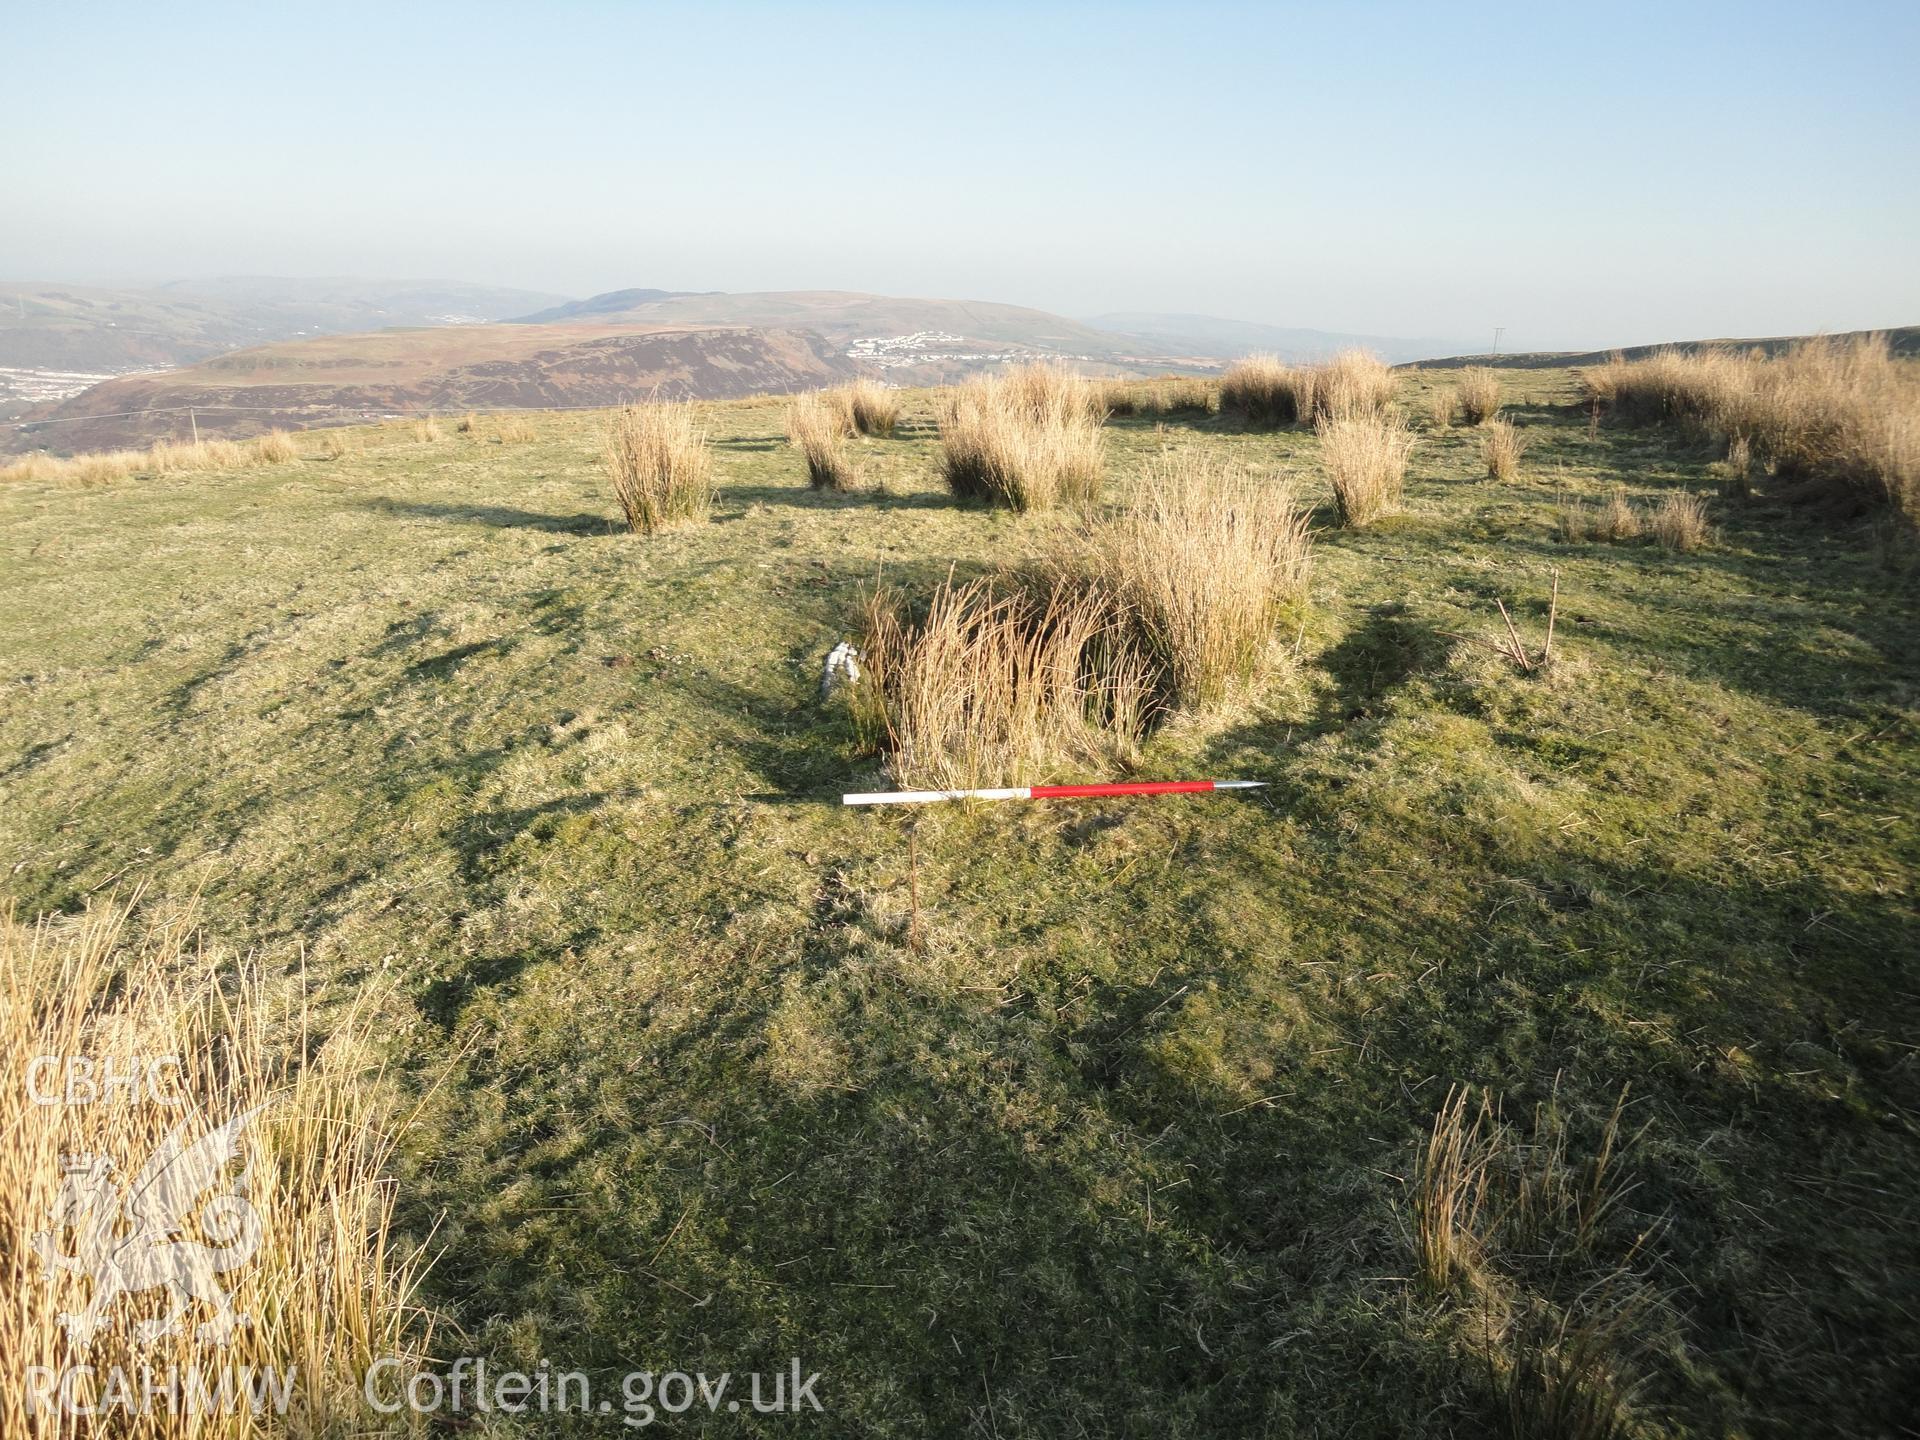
column 1120, row 1133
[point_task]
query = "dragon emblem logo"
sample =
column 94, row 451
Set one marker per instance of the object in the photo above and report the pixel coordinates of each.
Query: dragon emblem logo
column 132, row 1239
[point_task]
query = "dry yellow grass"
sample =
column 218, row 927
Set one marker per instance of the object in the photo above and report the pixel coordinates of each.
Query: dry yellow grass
column 1617, row 519
column 1840, row 417
column 1164, row 395
column 1479, row 394
column 1263, row 390
column 1204, row 561
column 998, row 682
column 1365, row 457
column 867, row 407
column 1502, row 444
column 817, row 426
column 426, row 431
column 469, row 422
column 1354, row 384
column 512, row 430
column 1440, row 407
column 1029, row 439
column 276, row 447
column 164, row 457
column 295, row 1232
column 1450, row 1193
column 660, row 467
column 1679, row 522
column 334, row 444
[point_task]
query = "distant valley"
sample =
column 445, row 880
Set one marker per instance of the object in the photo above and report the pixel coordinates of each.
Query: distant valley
column 250, row 354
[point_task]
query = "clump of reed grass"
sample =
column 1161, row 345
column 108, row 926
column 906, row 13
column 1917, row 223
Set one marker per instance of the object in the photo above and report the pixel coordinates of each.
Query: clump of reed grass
column 1502, row 443
column 300, row 1223
column 868, row 408
column 1365, row 457
column 817, row 426
column 512, row 430
column 1440, row 407
column 1029, row 438
column 469, row 422
column 998, row 681
column 659, row 465
column 1679, row 522
column 276, row 447
column 1573, row 522
column 1479, row 394
column 1171, row 604
column 163, row 457
column 334, row 444
column 426, row 430
column 1834, row 417
column 1617, row 519
column 1353, row 385
column 1204, row 560
column 1167, row 395
column 1264, row 391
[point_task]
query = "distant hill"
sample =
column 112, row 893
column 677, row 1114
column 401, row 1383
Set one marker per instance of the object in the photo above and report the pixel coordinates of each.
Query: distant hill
column 912, row 341
column 298, row 384
column 1905, row 340
column 1209, row 335
column 46, row 326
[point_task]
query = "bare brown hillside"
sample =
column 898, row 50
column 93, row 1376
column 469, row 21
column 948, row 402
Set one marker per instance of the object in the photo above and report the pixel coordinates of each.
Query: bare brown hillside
column 341, row 379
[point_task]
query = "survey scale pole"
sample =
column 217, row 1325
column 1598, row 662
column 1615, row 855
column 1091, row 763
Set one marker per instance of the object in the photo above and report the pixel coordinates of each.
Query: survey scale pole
column 1050, row 792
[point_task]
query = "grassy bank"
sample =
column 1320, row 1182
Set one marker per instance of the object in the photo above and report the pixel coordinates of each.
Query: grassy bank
column 1119, row 1137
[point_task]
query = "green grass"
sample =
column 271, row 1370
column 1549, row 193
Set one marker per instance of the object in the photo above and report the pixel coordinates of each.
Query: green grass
column 1122, row 1147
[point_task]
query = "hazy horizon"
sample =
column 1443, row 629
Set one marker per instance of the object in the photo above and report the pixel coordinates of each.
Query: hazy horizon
column 1671, row 175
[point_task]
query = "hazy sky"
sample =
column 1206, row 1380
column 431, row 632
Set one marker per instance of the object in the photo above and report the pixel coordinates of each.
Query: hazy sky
column 1580, row 175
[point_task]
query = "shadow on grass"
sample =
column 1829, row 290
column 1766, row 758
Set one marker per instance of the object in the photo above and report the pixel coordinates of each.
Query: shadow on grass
column 855, row 499
column 499, row 517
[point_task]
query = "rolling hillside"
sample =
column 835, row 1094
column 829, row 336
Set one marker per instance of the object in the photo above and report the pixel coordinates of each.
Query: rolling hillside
column 299, row 384
column 48, row 326
column 916, row 341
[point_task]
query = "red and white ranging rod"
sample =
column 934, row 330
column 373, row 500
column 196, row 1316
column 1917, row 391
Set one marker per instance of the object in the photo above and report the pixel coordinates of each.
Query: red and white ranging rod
column 1051, row 792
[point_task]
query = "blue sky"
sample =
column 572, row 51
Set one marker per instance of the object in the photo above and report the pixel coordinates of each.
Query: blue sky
column 1580, row 175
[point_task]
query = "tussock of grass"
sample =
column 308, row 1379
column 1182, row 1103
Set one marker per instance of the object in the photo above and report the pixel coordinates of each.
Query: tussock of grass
column 1679, row 522
column 1171, row 604
column 817, row 426
column 469, row 422
column 1479, row 394
column 164, row 457
column 1029, row 439
column 1617, row 519
column 1167, row 395
column 1268, row 392
column 326, row 1286
column 1441, row 402
column 335, row 444
column 1263, row 390
column 1841, row 417
column 1521, row 1229
column 1365, row 457
column 1204, row 560
column 998, row 682
column 1353, row 385
column 426, row 431
column 1502, row 444
column 276, row 447
column 660, row 467
column 868, row 408
column 512, row 430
